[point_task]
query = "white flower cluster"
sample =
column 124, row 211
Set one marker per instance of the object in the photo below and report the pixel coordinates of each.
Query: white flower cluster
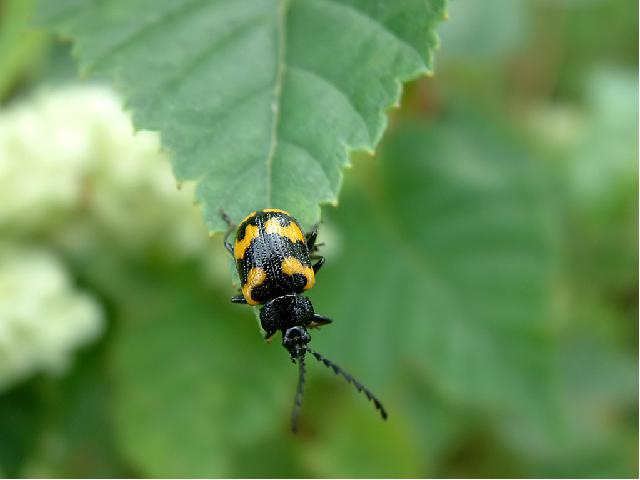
column 42, row 316
column 73, row 154
column 73, row 170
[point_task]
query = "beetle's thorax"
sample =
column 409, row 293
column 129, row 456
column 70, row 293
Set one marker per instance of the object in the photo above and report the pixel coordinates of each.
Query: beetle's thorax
column 285, row 312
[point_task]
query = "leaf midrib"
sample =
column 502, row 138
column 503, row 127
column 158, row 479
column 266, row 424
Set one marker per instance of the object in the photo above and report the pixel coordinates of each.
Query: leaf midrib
column 283, row 7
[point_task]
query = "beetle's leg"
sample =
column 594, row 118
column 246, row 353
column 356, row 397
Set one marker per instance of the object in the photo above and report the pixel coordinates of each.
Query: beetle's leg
column 226, row 218
column 228, row 245
column 311, row 238
column 318, row 321
column 321, row 319
column 239, row 299
column 230, row 229
column 318, row 265
column 268, row 336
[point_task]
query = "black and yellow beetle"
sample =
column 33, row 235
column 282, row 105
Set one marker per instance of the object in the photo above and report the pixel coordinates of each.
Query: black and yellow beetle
column 273, row 257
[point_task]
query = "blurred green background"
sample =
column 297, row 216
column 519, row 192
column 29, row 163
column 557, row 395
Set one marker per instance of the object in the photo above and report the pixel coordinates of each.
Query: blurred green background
column 482, row 272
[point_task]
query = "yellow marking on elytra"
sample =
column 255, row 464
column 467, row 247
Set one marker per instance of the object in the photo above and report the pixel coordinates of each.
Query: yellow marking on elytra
column 291, row 265
column 255, row 278
column 291, row 231
column 241, row 246
column 247, row 217
column 277, row 210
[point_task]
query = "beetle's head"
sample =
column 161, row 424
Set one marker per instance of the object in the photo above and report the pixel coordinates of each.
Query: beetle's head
column 295, row 340
column 285, row 312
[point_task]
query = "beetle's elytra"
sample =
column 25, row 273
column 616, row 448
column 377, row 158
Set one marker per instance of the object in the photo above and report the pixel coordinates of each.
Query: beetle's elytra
column 272, row 257
column 277, row 262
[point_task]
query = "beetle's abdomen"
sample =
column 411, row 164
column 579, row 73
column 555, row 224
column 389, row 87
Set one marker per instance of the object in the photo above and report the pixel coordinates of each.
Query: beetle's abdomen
column 272, row 256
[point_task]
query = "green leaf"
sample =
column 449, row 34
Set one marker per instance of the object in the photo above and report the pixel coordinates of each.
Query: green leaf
column 20, row 46
column 194, row 382
column 20, row 425
column 77, row 437
column 349, row 445
column 448, row 269
column 259, row 101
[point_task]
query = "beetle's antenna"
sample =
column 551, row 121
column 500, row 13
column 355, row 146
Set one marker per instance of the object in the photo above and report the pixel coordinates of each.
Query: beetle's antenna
column 297, row 403
column 361, row 388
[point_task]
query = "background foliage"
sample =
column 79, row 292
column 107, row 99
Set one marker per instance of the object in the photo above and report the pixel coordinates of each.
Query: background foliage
column 481, row 269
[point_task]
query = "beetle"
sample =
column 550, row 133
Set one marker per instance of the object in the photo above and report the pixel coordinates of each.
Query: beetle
column 274, row 257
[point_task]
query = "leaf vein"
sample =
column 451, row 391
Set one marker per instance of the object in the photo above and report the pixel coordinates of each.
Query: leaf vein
column 372, row 22
column 146, row 29
column 308, row 152
column 198, row 59
column 333, row 87
column 223, row 112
